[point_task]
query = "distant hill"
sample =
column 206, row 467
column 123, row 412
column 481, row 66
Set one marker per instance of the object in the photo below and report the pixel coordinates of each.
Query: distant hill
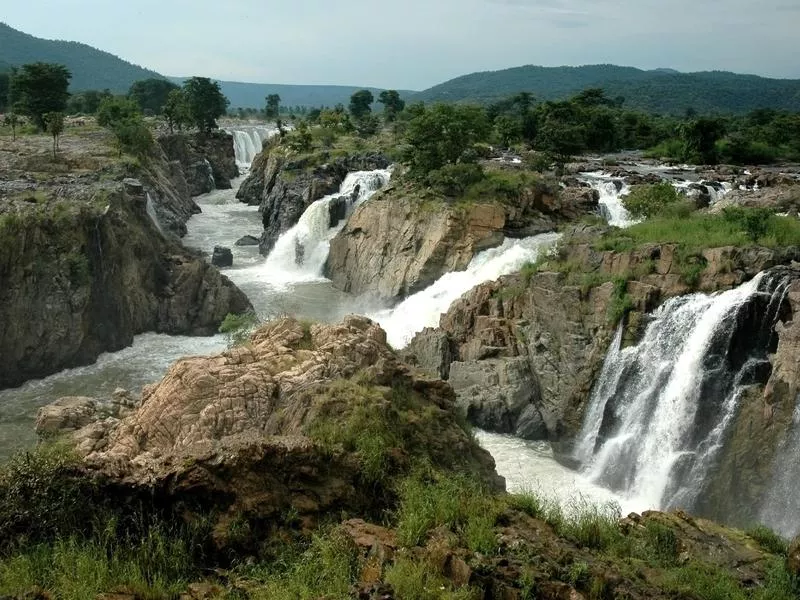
column 92, row 69
column 252, row 95
column 662, row 91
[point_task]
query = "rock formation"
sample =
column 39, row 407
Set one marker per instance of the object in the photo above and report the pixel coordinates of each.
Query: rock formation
column 86, row 273
column 283, row 188
column 208, row 160
column 399, row 243
column 277, row 424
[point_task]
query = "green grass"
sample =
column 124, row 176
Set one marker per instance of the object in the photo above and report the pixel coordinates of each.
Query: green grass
column 416, row 579
column 430, row 500
column 700, row 231
column 154, row 567
column 238, row 327
column 326, row 568
column 768, row 539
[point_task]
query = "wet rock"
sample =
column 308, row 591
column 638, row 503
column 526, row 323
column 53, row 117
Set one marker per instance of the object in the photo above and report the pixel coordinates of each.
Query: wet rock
column 247, row 240
column 222, row 257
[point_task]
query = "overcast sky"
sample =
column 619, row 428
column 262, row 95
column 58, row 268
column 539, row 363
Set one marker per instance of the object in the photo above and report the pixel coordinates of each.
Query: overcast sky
column 413, row 44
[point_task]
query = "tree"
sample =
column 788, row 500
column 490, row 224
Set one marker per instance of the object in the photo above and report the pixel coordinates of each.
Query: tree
column 12, row 120
column 176, row 110
column 393, row 104
column 121, row 115
column 443, row 134
column 151, row 94
column 40, row 88
column 55, row 127
column 206, row 102
column 700, row 138
column 5, row 89
column 509, row 129
column 360, row 104
column 273, row 109
column 86, row 102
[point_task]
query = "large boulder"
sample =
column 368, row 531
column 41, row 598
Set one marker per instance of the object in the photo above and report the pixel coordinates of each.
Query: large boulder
column 394, row 245
column 277, row 424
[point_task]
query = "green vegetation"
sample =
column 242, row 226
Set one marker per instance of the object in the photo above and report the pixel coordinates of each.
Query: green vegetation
column 273, row 109
column 646, row 201
column 768, row 539
column 660, row 91
column 416, row 579
column 238, row 328
column 40, row 88
column 393, row 104
column 206, row 102
column 123, row 118
column 151, row 94
column 91, row 69
column 177, row 111
column 54, row 121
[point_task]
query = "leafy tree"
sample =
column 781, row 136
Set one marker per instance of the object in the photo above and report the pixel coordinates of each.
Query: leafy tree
column 55, row 127
column 86, row 102
column 593, row 97
column 301, row 139
column 273, row 107
column 360, row 104
column 367, row 125
column 121, row 115
column 646, row 201
column 177, row 111
column 443, row 134
column 206, row 102
column 509, row 129
column 12, row 120
column 40, row 88
column 5, row 88
column 151, row 94
column 393, row 104
column 700, row 137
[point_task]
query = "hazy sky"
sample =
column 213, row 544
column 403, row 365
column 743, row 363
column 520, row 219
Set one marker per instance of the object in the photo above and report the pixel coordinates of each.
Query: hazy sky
column 413, row 44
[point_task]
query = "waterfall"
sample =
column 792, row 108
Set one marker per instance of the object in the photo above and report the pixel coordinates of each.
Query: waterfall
column 301, row 252
column 248, row 141
column 782, row 504
column 660, row 410
column 151, row 212
column 424, row 308
column 611, row 193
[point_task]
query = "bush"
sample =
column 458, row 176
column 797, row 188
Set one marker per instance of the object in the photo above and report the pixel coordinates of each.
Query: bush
column 414, row 579
column 753, row 221
column 453, row 180
column 768, row 539
column 646, row 201
column 237, row 328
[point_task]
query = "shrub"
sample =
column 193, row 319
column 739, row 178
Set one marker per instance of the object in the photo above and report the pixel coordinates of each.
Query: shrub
column 237, row 328
column 646, row 201
column 414, row 579
column 453, row 180
column 620, row 303
column 753, row 221
column 768, row 539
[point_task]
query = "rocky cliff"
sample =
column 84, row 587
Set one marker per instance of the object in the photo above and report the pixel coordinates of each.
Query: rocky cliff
column 310, row 418
column 401, row 241
column 84, row 269
column 208, row 160
column 283, row 187
column 523, row 352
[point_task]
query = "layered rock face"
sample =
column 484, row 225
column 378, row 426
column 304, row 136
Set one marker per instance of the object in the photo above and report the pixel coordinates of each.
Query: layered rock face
column 398, row 244
column 561, row 330
column 87, row 274
column 208, row 160
column 274, row 424
column 283, row 189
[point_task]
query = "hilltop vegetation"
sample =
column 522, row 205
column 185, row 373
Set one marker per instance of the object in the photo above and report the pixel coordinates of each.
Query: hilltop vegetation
column 91, row 68
column 661, row 91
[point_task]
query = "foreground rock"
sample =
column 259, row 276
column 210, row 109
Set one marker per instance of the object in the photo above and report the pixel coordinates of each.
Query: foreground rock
column 274, row 425
column 283, row 188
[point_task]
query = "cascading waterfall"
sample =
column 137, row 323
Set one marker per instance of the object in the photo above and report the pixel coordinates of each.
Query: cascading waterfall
column 782, row 504
column 248, row 141
column 424, row 308
column 611, row 193
column 151, row 212
column 301, row 252
column 661, row 409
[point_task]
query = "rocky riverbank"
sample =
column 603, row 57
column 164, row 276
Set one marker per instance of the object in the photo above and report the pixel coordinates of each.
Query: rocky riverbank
column 256, row 449
column 88, row 260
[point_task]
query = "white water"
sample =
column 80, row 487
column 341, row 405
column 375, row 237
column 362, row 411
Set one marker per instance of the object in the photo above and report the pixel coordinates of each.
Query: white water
column 424, row 308
column 248, row 141
column 651, row 394
column 782, row 503
column 300, row 253
column 611, row 193
column 151, row 212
